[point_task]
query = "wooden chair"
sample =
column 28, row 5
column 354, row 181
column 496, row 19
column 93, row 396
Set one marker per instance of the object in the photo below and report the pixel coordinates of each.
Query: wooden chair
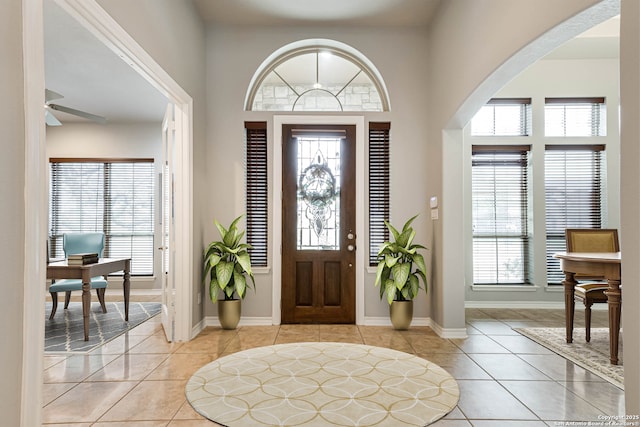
column 591, row 240
column 77, row 243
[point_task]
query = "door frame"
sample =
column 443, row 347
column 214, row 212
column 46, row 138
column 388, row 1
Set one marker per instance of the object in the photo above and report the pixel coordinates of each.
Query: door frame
column 276, row 204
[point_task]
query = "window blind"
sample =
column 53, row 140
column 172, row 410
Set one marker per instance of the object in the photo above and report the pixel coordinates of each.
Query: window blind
column 575, row 117
column 573, row 196
column 379, row 181
column 115, row 197
column 503, row 117
column 257, row 191
column 501, row 252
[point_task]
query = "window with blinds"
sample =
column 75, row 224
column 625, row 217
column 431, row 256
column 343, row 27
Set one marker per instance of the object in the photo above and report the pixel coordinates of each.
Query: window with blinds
column 115, row 197
column 575, row 117
column 500, row 199
column 573, row 196
column 503, row 117
column 256, row 191
column 379, row 180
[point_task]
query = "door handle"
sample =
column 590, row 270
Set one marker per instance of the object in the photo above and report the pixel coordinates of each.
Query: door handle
column 351, row 248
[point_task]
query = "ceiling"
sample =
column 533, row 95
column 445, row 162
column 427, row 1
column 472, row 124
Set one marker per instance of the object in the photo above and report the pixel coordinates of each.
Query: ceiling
column 314, row 12
column 94, row 79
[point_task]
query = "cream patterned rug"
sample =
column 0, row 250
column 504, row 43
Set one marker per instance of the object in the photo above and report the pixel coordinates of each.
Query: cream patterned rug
column 321, row 384
column 593, row 355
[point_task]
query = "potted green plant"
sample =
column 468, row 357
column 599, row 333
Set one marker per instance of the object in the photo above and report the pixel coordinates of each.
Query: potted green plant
column 227, row 264
column 400, row 268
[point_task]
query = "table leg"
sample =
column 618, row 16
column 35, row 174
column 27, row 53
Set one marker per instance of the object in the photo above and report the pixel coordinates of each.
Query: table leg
column 569, row 303
column 86, row 304
column 614, row 296
column 126, row 289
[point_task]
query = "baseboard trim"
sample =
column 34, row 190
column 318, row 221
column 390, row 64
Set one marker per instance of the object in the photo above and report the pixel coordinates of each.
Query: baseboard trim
column 449, row 333
column 244, row 321
column 515, row 304
column 386, row 321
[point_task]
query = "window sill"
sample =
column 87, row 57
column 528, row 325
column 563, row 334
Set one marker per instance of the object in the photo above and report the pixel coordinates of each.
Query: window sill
column 504, row 288
column 261, row 270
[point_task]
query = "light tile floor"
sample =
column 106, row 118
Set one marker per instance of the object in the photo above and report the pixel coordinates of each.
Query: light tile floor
column 505, row 379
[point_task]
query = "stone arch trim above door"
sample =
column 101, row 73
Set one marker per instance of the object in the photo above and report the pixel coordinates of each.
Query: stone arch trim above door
column 296, row 49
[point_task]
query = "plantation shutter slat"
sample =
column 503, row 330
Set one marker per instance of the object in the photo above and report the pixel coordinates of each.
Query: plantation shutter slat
column 573, row 196
column 500, row 215
column 379, row 181
column 257, row 192
column 113, row 197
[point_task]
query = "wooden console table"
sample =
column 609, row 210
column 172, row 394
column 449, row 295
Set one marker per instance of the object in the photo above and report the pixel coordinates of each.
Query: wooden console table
column 607, row 265
column 62, row 270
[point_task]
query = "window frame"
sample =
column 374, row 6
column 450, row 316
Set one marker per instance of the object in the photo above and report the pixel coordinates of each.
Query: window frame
column 109, row 205
column 521, row 158
column 257, row 192
column 524, row 122
column 598, row 121
column 379, row 186
column 555, row 239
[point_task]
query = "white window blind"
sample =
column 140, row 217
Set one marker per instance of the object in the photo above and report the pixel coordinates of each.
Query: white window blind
column 573, row 196
column 575, row 117
column 499, row 210
column 503, row 117
column 115, row 197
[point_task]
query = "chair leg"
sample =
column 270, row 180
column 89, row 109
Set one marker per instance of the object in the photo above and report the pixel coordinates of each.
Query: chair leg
column 67, row 299
column 587, row 320
column 54, row 304
column 101, row 292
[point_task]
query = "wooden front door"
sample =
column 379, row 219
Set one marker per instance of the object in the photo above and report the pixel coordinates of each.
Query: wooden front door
column 318, row 224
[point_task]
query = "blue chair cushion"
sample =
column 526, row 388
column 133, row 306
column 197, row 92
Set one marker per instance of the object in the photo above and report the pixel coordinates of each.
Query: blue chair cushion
column 66, row 285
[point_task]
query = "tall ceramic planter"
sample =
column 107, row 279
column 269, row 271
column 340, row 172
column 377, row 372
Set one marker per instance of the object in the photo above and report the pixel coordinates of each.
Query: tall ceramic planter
column 229, row 313
column 401, row 313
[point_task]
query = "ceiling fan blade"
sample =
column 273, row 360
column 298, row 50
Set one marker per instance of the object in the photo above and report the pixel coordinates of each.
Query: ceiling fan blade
column 50, row 119
column 50, row 95
column 79, row 113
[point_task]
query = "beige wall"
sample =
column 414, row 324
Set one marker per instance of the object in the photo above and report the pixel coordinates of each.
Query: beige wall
column 630, row 197
column 174, row 35
column 12, row 211
column 235, row 53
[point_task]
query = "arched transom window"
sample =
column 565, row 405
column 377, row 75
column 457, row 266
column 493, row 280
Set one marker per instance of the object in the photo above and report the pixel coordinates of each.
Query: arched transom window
column 312, row 76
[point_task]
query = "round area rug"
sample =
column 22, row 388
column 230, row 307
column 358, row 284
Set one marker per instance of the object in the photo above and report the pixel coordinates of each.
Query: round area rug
column 320, row 384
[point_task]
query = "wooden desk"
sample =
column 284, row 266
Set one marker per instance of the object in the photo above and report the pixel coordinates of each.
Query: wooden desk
column 62, row 270
column 607, row 265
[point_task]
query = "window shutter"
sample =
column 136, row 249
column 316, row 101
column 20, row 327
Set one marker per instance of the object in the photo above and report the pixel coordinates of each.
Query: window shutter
column 503, row 117
column 115, row 197
column 257, row 192
column 379, row 181
column 575, row 117
column 500, row 207
column 573, row 196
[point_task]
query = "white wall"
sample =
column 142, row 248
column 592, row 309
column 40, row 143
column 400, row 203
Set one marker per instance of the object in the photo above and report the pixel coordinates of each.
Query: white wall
column 112, row 141
column 235, row 53
column 548, row 78
column 12, row 210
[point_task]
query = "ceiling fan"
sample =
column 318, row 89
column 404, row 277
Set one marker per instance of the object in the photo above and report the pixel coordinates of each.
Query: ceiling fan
column 51, row 120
